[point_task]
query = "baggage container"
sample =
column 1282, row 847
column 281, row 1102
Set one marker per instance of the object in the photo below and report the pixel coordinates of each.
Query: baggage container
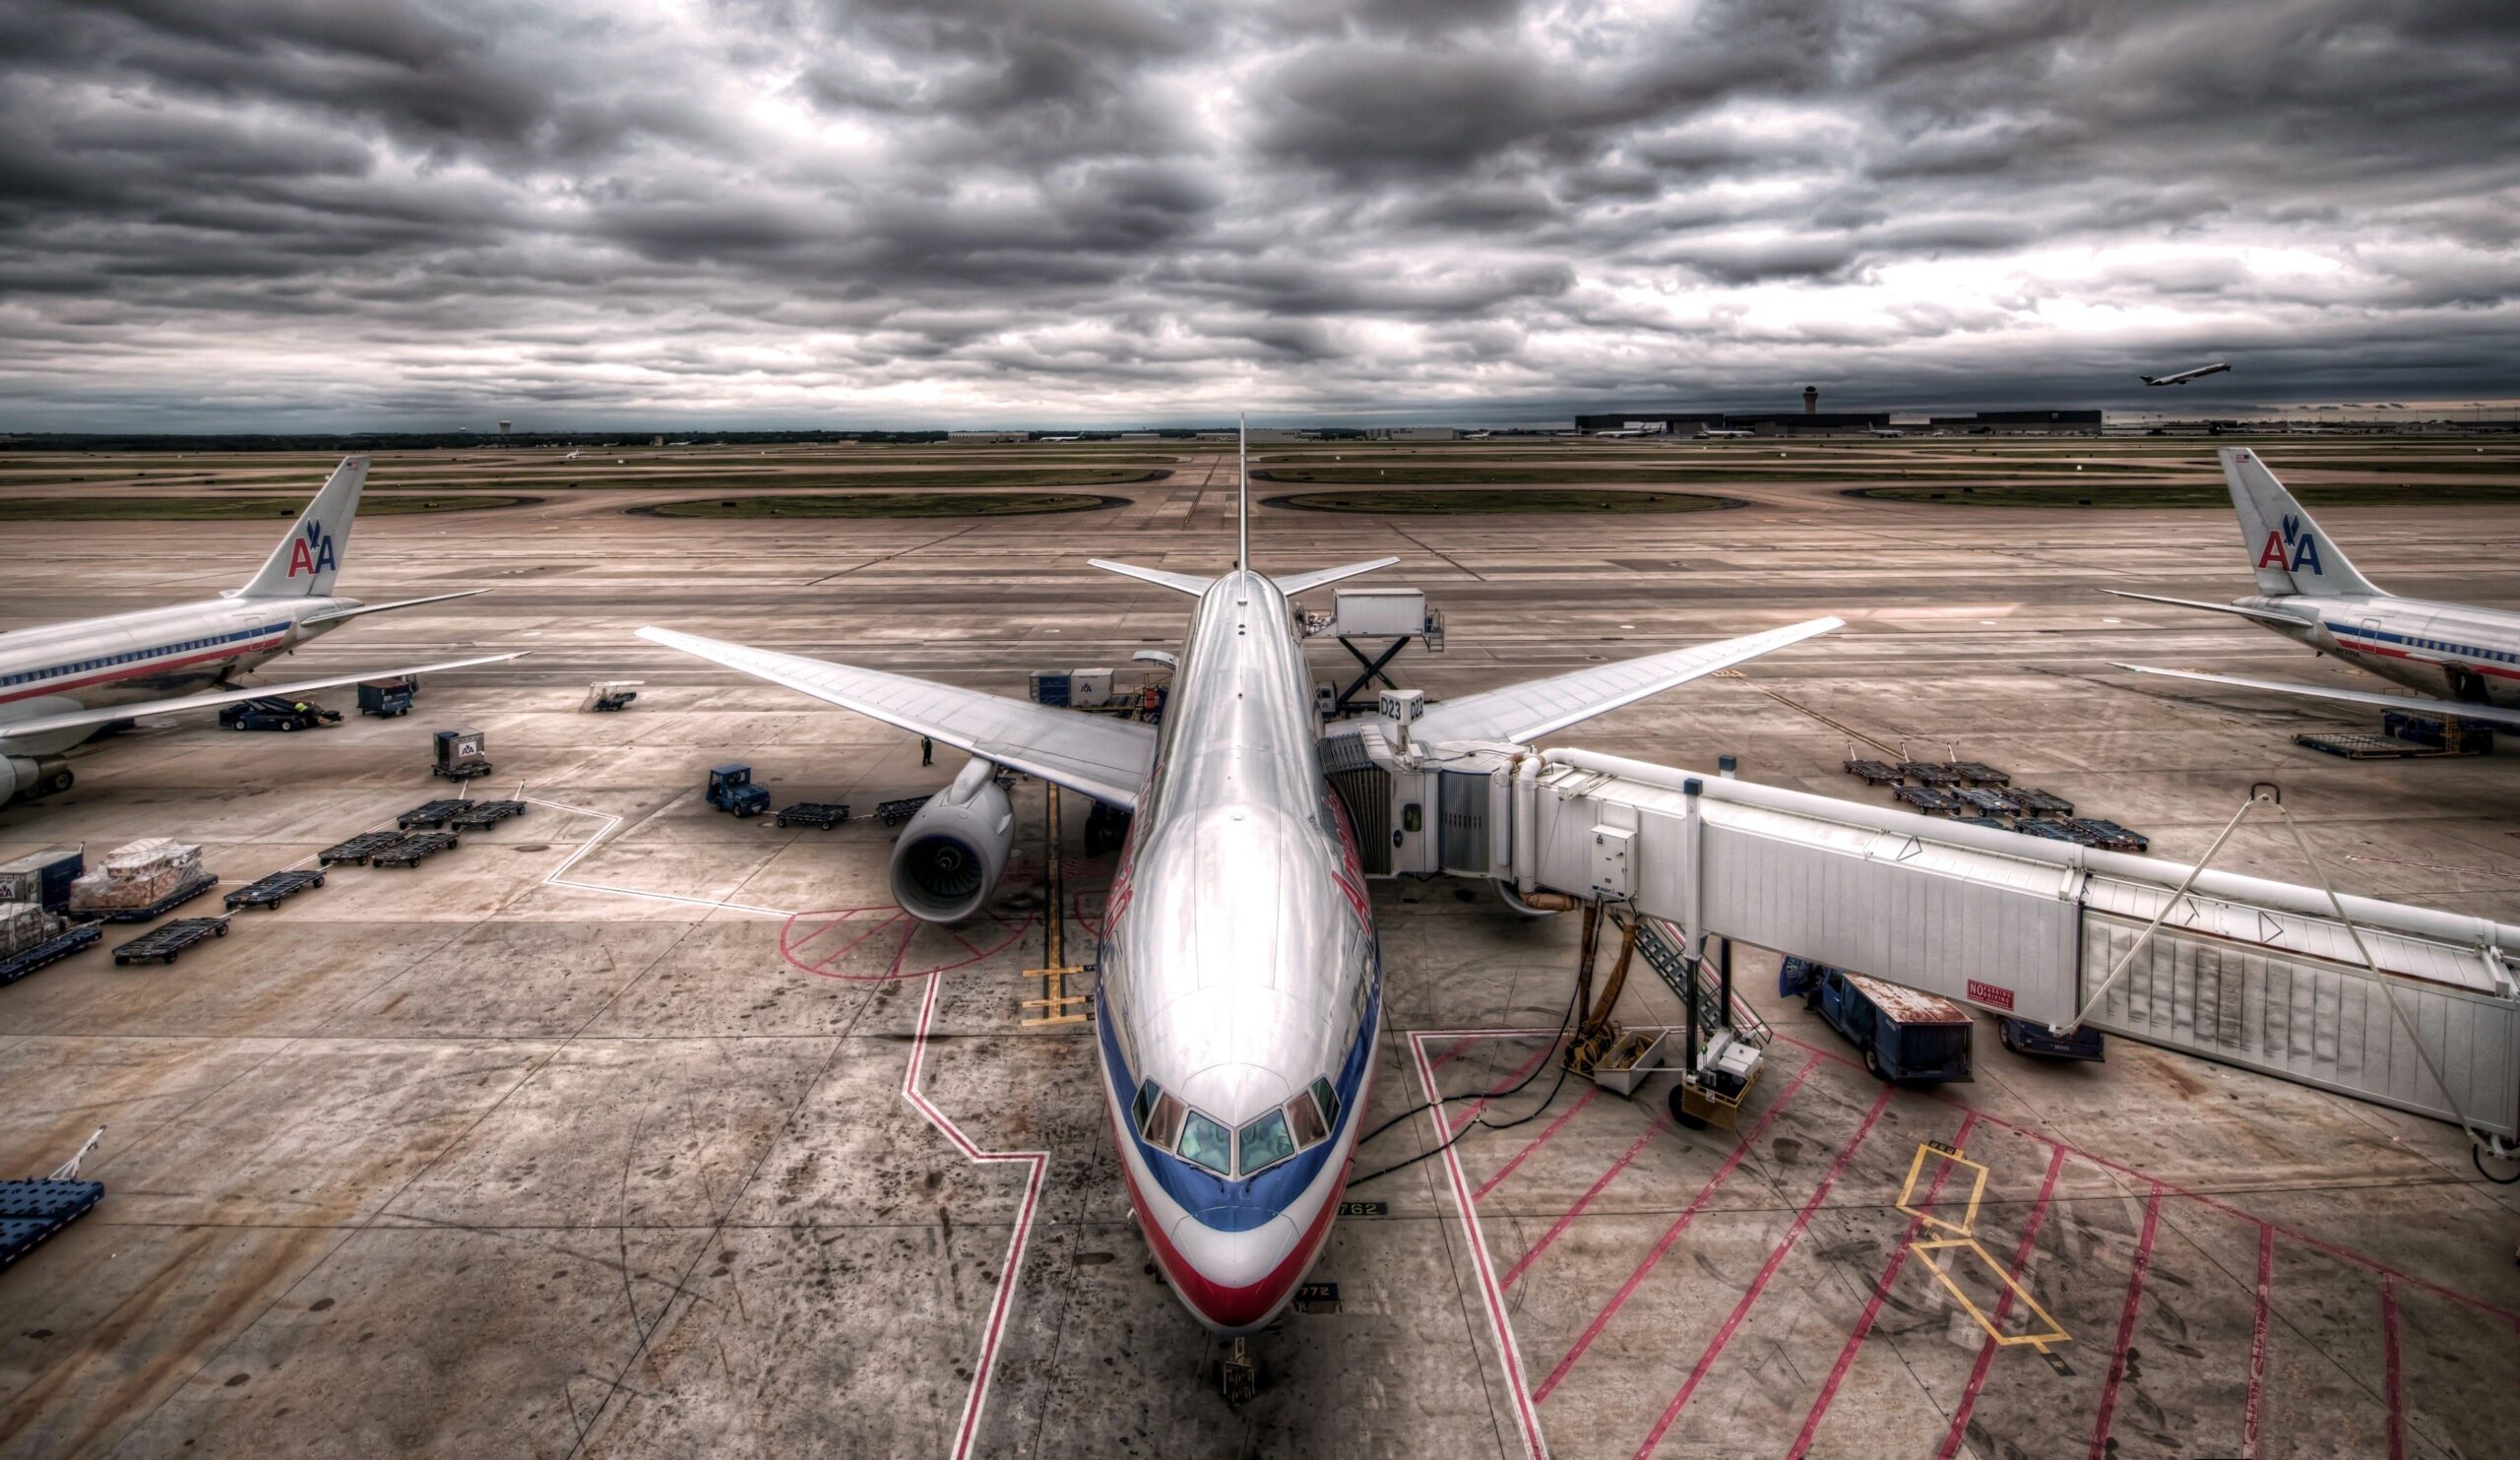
column 42, row 878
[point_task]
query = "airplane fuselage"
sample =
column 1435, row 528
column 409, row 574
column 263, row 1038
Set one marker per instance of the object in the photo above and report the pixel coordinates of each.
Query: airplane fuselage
column 147, row 655
column 2453, row 651
column 1240, row 990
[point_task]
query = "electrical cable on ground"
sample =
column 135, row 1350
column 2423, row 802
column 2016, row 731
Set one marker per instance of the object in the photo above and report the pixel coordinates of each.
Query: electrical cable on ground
column 1563, row 1024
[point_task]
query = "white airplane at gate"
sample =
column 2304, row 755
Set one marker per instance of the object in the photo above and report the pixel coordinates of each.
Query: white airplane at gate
column 2310, row 594
column 1240, row 990
column 61, row 683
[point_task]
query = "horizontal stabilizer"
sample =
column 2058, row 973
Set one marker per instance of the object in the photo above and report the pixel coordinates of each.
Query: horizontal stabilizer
column 2508, row 719
column 1292, row 584
column 108, row 714
column 1190, row 583
column 1523, row 712
column 337, row 615
column 2262, row 616
column 1093, row 754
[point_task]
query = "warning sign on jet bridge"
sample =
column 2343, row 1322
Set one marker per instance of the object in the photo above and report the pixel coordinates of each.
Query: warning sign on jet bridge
column 1989, row 995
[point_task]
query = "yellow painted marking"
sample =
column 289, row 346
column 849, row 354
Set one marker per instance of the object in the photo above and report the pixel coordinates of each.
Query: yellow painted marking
column 1977, row 1190
column 2050, row 1331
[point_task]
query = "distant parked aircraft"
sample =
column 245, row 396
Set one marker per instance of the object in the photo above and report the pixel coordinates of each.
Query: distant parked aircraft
column 2185, row 376
column 2308, row 593
column 1717, row 434
column 63, row 682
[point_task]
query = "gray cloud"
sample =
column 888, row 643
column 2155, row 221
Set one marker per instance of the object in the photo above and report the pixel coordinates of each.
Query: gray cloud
column 249, row 213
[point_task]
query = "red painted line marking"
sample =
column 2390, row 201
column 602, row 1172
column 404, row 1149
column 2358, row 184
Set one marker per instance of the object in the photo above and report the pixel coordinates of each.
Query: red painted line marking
column 1035, row 1163
column 1460, row 1048
column 2253, row 1411
column 2003, row 1304
column 788, row 945
column 1537, row 1141
column 1501, row 1086
column 1509, row 1353
column 1567, row 1217
column 822, row 968
column 2126, row 1325
column 1670, row 1235
column 1880, row 1293
column 1758, row 1285
column 2289, row 1233
column 2396, row 1369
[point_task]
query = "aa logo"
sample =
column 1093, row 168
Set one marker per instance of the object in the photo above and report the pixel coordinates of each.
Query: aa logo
column 311, row 551
column 2304, row 545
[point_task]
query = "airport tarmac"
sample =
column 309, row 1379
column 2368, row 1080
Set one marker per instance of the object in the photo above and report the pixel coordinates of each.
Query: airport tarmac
column 631, row 1129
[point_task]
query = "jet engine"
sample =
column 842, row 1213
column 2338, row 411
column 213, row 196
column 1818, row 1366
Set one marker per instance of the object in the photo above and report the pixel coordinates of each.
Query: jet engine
column 951, row 854
column 31, row 776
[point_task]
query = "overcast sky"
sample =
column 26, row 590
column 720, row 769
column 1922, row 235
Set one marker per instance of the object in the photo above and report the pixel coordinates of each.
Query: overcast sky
column 331, row 215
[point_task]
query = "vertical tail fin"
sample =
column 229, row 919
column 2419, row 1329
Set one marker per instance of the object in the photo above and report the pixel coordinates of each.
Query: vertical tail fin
column 305, row 561
column 2291, row 552
column 1243, row 494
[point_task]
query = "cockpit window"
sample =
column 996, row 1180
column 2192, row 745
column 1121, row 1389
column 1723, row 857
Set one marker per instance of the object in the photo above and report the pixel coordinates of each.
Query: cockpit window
column 1303, row 1117
column 1147, row 1092
column 1266, row 1142
column 1329, row 1099
column 1163, row 1122
column 1206, row 1143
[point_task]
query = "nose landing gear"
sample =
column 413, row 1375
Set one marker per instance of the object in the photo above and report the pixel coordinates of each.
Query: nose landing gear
column 1238, row 1375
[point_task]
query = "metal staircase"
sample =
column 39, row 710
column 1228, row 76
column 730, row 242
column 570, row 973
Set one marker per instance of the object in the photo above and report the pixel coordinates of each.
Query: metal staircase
column 1665, row 950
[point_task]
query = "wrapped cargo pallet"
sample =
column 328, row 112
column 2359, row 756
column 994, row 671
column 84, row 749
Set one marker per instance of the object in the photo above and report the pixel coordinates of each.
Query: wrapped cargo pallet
column 137, row 874
column 25, row 924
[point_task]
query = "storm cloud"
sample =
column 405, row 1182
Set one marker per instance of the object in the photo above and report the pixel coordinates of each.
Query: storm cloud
column 292, row 214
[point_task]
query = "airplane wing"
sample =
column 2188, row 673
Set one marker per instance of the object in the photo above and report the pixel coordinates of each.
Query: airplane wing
column 1103, row 758
column 1292, row 584
column 2508, row 719
column 107, row 714
column 1524, row 713
column 2262, row 616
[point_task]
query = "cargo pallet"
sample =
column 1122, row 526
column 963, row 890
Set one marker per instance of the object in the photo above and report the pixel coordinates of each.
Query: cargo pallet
column 483, row 815
column 1986, row 802
column 358, row 848
column 33, row 1210
column 407, row 849
column 164, row 943
column 158, row 909
column 1978, row 773
column 27, row 960
column 2377, row 747
column 1876, row 772
column 1932, row 772
column 2041, row 804
column 2107, row 835
column 1927, row 799
column 272, row 891
column 893, row 813
column 431, row 813
column 823, row 814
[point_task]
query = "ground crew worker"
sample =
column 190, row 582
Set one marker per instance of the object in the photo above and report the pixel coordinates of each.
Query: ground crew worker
column 926, row 752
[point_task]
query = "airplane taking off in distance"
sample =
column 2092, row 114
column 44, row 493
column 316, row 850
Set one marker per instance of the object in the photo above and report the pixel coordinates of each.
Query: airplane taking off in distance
column 61, row 683
column 2308, row 593
column 1240, row 991
column 2185, row 376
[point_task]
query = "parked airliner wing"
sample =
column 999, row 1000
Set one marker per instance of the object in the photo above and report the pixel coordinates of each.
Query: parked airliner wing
column 1103, row 758
column 107, row 715
column 2508, row 719
column 1524, row 713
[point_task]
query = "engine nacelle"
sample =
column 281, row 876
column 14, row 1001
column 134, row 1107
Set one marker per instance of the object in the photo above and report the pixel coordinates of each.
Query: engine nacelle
column 950, row 856
column 31, row 776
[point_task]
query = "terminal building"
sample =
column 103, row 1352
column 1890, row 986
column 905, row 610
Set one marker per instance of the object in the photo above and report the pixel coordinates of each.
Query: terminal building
column 1815, row 423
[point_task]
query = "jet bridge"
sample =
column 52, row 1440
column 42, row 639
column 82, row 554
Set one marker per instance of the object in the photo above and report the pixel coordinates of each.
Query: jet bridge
column 2404, row 1006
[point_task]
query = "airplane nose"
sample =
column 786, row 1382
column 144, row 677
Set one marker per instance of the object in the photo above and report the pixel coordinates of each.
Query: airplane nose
column 1235, row 1280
